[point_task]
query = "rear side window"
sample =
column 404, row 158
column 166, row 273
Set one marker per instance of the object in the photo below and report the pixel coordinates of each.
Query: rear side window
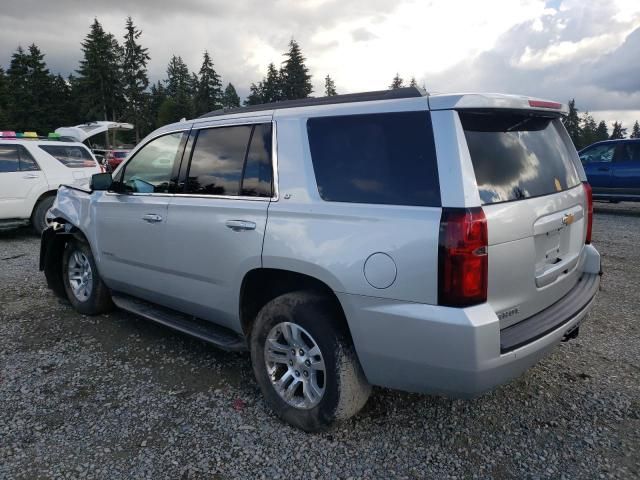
column 27, row 162
column 16, row 158
column 517, row 156
column 72, row 156
column 628, row 152
column 385, row 158
column 231, row 161
column 256, row 181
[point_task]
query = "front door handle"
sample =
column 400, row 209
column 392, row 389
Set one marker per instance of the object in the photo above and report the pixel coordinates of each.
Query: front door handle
column 603, row 169
column 31, row 175
column 152, row 218
column 240, row 225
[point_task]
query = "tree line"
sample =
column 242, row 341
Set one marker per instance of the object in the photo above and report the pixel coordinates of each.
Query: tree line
column 112, row 83
column 584, row 130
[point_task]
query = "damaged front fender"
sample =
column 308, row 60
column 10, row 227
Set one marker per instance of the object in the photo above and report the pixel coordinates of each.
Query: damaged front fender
column 69, row 210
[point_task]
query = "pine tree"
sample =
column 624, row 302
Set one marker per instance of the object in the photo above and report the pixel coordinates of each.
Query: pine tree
column 272, row 85
column 156, row 99
column 179, row 89
column 209, row 87
column 413, row 83
column 329, row 87
column 135, row 81
column 62, row 105
column 618, row 131
column 397, row 82
column 255, row 95
column 230, row 98
column 100, row 75
column 588, row 132
column 295, row 78
column 635, row 133
column 572, row 122
column 30, row 86
column 602, row 132
column 4, row 101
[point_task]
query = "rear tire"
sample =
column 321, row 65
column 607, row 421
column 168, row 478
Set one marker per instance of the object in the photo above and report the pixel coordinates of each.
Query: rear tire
column 323, row 353
column 82, row 283
column 39, row 216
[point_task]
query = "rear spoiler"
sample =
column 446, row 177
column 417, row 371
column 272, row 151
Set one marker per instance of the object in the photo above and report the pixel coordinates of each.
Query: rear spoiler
column 495, row 101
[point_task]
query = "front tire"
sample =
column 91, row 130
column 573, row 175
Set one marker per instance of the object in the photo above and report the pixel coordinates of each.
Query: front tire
column 82, row 283
column 305, row 362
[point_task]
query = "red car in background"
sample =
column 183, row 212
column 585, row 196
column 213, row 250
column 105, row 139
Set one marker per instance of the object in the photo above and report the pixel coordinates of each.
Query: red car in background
column 115, row 157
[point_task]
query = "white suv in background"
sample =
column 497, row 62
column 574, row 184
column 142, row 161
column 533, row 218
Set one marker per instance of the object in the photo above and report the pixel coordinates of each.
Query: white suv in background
column 31, row 170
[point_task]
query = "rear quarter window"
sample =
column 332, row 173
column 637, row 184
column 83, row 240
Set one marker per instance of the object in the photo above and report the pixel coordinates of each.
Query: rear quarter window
column 517, row 156
column 385, row 158
column 72, row 156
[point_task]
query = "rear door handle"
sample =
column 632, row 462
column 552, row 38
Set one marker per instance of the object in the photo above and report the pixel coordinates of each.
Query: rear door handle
column 603, row 169
column 240, row 225
column 152, row 218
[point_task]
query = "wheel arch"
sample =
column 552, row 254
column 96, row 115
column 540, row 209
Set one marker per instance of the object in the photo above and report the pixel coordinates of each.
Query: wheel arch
column 48, row 193
column 261, row 285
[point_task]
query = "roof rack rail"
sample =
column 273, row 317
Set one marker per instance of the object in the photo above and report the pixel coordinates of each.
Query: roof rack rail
column 407, row 92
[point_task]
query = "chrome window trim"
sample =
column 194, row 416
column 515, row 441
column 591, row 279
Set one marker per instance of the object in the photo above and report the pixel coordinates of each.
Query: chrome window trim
column 274, row 162
column 139, row 147
column 274, row 166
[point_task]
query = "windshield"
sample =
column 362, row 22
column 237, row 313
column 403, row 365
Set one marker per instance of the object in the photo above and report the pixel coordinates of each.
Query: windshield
column 517, row 155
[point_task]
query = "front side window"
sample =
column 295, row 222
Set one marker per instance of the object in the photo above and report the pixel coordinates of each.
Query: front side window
column 598, row 154
column 385, row 158
column 71, row 156
column 217, row 160
column 9, row 160
column 517, row 156
column 150, row 170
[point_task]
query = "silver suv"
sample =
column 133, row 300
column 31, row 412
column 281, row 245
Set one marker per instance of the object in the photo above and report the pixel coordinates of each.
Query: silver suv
column 437, row 244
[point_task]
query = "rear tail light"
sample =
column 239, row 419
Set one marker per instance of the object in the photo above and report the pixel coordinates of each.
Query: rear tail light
column 462, row 257
column 589, row 195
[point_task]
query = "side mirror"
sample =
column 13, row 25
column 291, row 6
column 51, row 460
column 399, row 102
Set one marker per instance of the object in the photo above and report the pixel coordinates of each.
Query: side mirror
column 100, row 181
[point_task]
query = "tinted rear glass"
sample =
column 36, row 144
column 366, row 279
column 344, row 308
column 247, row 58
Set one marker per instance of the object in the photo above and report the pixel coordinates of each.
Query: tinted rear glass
column 386, row 158
column 217, row 160
column 256, row 181
column 517, row 156
column 72, row 156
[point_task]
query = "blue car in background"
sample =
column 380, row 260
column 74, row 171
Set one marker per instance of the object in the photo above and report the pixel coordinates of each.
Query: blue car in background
column 613, row 169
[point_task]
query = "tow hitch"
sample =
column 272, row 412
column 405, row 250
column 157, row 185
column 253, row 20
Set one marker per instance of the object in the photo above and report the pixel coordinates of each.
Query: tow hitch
column 571, row 334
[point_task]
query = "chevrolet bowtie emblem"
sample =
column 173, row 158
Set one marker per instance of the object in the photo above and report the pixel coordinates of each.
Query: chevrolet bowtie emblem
column 568, row 218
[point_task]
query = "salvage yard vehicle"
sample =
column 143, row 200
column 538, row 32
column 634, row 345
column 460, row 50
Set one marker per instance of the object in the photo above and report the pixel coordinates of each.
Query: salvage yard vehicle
column 31, row 170
column 613, row 169
column 437, row 244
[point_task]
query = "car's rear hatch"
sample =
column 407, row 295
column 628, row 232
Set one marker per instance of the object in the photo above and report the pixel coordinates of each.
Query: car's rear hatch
column 535, row 207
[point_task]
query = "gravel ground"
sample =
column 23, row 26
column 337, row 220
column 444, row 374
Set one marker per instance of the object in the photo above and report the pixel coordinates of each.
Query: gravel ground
column 118, row 397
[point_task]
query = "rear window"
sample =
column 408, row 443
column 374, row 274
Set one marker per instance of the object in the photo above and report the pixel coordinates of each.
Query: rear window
column 385, row 158
column 72, row 156
column 517, row 156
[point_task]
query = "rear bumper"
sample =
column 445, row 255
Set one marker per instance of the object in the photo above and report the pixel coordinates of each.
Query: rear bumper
column 458, row 352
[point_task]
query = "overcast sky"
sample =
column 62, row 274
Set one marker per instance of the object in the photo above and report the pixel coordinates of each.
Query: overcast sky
column 556, row 49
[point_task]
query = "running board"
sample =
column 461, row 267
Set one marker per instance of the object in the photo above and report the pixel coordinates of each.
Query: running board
column 209, row 332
